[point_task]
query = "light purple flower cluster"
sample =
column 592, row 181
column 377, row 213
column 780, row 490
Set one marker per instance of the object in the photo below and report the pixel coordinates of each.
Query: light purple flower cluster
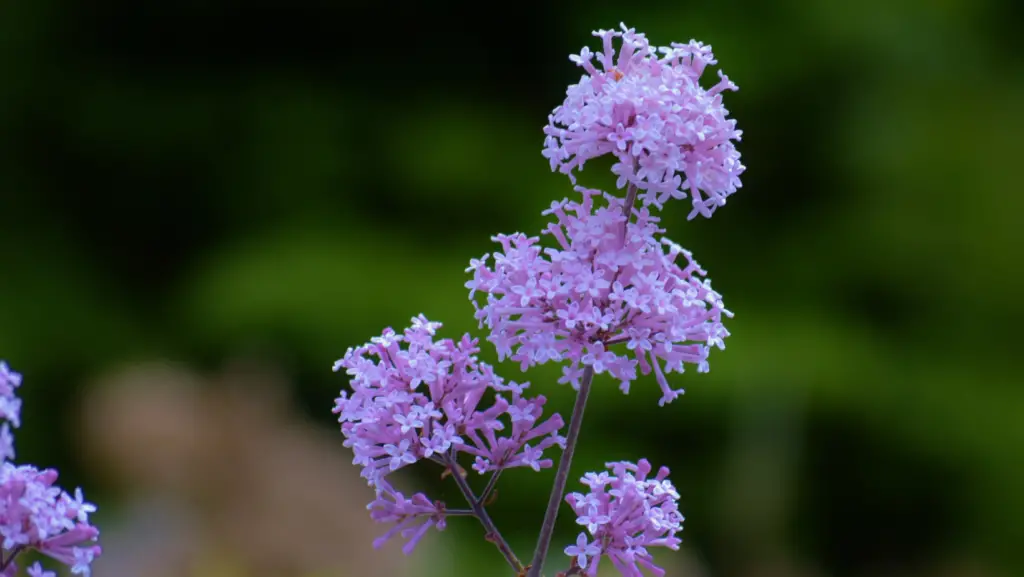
column 34, row 512
column 607, row 293
column 606, row 282
column 416, row 398
column 645, row 106
column 625, row 513
column 412, row 516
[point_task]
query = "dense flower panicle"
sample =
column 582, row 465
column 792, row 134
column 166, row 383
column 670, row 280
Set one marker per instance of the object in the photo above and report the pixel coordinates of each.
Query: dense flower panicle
column 645, row 106
column 412, row 516
column 34, row 512
column 423, row 400
column 625, row 513
column 414, row 398
column 599, row 287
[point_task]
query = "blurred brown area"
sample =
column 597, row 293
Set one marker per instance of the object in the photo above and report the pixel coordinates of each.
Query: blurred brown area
column 223, row 468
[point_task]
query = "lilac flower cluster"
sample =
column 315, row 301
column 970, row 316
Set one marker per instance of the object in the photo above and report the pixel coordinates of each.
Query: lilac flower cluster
column 625, row 513
column 645, row 106
column 411, row 517
column 606, row 293
column 597, row 288
column 415, row 398
column 34, row 512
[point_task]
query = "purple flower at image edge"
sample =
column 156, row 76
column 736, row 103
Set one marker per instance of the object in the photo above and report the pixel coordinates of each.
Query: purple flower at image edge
column 34, row 512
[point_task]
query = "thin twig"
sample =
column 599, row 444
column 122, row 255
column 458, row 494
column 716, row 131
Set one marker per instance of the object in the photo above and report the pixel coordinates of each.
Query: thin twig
column 491, row 483
column 573, row 570
column 13, row 553
column 562, row 475
column 493, row 535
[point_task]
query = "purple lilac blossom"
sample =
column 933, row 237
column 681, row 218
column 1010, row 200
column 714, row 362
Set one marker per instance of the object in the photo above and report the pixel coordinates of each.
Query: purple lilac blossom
column 646, row 107
column 34, row 512
column 595, row 289
column 10, row 410
column 416, row 398
column 36, row 570
column 412, row 517
column 625, row 513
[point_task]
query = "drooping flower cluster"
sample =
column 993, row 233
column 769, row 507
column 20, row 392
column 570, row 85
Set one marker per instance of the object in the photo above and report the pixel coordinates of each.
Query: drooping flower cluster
column 625, row 513
column 414, row 398
column 412, row 516
column 607, row 282
column 645, row 106
column 34, row 512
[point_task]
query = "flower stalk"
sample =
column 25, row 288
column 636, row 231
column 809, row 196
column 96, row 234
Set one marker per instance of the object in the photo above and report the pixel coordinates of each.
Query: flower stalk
column 547, row 528
column 480, row 512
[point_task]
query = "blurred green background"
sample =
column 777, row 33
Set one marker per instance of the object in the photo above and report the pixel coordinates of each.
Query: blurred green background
column 188, row 188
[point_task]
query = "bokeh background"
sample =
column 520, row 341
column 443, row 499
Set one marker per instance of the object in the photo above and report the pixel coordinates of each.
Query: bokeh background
column 205, row 203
